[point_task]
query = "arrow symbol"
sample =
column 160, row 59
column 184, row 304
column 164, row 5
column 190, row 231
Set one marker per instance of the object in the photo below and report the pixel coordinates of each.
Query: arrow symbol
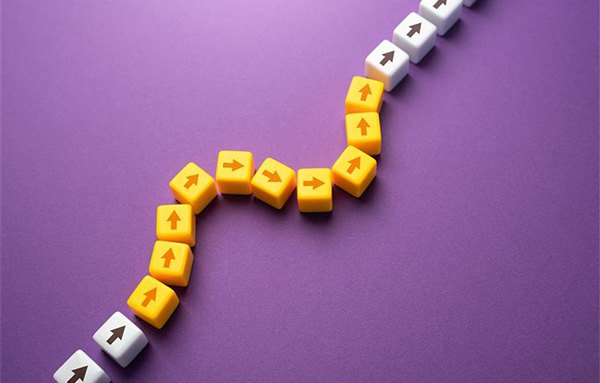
column 150, row 296
column 315, row 183
column 387, row 57
column 363, row 125
column 117, row 333
column 168, row 257
column 366, row 91
column 416, row 28
column 174, row 218
column 273, row 177
column 192, row 180
column 234, row 165
column 78, row 374
column 438, row 3
column 354, row 164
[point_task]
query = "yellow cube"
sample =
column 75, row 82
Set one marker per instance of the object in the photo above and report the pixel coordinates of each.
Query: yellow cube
column 176, row 223
column 354, row 171
column 171, row 263
column 153, row 301
column 193, row 186
column 363, row 131
column 314, row 190
column 234, row 172
column 364, row 95
column 273, row 183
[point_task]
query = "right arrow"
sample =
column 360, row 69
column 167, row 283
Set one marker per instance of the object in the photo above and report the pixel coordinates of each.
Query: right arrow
column 192, row 180
column 416, row 28
column 168, row 257
column 273, row 177
column 354, row 164
column 78, row 374
column 315, row 183
column 363, row 125
column 365, row 92
column 233, row 165
column 150, row 296
column 387, row 57
column 117, row 333
column 439, row 2
column 174, row 218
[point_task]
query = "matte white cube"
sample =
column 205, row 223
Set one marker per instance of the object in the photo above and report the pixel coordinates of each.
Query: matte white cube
column 442, row 13
column 415, row 36
column 80, row 368
column 388, row 64
column 468, row 3
column 121, row 339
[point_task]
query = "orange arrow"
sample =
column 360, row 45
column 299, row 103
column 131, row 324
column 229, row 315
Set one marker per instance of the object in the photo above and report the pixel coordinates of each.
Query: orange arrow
column 273, row 177
column 168, row 257
column 234, row 165
column 363, row 125
column 174, row 218
column 192, row 180
column 354, row 164
column 315, row 183
column 150, row 296
column 366, row 91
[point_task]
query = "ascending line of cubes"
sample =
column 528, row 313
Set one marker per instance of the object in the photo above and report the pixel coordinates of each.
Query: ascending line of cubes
column 273, row 182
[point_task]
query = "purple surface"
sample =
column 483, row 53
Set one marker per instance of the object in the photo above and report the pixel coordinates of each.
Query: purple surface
column 472, row 258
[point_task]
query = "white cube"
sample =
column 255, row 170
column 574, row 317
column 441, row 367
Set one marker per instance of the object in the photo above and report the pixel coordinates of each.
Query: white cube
column 80, row 368
column 468, row 3
column 388, row 64
column 415, row 36
column 442, row 13
column 120, row 339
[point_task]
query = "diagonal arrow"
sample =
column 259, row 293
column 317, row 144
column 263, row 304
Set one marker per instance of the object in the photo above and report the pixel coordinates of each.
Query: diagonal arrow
column 365, row 92
column 174, row 218
column 363, row 125
column 387, row 57
column 150, row 296
column 233, row 165
column 78, row 374
column 416, row 28
column 354, row 164
column 439, row 3
column 168, row 257
column 117, row 333
column 273, row 177
column 192, row 180
column 315, row 183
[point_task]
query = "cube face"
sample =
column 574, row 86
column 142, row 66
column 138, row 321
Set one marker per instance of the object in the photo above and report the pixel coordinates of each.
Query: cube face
column 363, row 132
column 314, row 190
column 121, row 339
column 442, row 13
column 354, row 170
column 415, row 36
column 153, row 301
column 171, row 263
column 80, row 368
column 234, row 172
column 387, row 63
column 364, row 95
column 273, row 183
column 176, row 223
column 193, row 186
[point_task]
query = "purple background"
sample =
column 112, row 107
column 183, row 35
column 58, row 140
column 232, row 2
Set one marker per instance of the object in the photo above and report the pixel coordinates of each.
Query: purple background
column 472, row 258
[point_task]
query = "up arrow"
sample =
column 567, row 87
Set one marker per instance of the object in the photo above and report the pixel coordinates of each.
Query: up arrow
column 174, row 218
column 78, row 374
column 150, row 296
column 354, row 164
column 387, row 57
column 363, row 125
column 365, row 92
column 416, row 28
column 168, row 257
column 117, row 333
column 192, row 180
column 438, row 3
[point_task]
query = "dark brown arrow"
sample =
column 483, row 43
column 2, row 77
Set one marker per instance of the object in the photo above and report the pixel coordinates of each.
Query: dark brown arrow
column 192, row 180
column 78, row 374
column 439, row 3
column 150, row 296
column 174, row 218
column 387, row 57
column 315, row 183
column 416, row 28
column 365, row 92
column 117, row 333
column 233, row 165
column 273, row 177
column 354, row 164
column 363, row 125
column 168, row 257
